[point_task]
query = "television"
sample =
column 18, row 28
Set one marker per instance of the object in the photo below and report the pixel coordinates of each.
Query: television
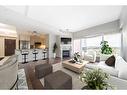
column 66, row 40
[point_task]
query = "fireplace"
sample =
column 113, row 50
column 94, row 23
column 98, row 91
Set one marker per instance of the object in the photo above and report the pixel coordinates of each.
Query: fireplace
column 66, row 53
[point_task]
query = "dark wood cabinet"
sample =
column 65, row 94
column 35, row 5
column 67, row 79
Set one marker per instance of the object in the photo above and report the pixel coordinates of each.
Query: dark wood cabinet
column 10, row 46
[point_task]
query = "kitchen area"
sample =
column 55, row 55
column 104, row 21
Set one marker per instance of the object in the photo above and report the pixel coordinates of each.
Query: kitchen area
column 33, row 46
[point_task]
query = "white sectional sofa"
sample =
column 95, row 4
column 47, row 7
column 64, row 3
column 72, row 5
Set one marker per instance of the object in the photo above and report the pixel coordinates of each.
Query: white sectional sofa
column 118, row 73
column 8, row 73
column 118, row 83
column 103, row 66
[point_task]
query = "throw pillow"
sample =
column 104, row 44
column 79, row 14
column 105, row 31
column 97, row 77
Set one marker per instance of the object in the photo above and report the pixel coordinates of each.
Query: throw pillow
column 121, row 66
column 110, row 61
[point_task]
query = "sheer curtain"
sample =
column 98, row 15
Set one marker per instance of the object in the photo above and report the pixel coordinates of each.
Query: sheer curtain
column 77, row 45
column 93, row 42
column 114, row 40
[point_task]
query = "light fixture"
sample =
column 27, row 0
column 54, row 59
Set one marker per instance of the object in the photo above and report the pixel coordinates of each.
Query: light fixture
column 43, row 46
column 35, row 33
column 65, row 30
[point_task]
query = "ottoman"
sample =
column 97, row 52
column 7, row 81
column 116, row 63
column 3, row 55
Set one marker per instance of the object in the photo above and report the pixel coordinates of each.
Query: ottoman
column 58, row 80
column 43, row 70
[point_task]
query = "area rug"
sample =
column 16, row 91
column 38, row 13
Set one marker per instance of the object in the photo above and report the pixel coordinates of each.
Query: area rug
column 22, row 83
column 76, row 83
column 116, row 82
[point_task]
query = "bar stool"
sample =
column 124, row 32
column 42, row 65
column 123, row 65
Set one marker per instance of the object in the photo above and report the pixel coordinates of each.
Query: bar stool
column 24, row 56
column 35, row 52
column 44, row 52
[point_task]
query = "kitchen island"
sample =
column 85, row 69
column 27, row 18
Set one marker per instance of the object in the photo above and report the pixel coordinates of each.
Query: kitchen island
column 26, row 55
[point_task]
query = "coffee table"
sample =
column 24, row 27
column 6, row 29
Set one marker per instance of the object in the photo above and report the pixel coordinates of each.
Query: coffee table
column 76, row 67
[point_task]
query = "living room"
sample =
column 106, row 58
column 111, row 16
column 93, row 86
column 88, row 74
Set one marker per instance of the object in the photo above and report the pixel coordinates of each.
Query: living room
column 93, row 38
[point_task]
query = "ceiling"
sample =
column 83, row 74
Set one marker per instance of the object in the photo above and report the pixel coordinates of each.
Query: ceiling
column 55, row 18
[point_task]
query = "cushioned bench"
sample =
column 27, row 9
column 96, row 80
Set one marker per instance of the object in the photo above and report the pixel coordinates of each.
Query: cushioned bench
column 43, row 70
column 58, row 80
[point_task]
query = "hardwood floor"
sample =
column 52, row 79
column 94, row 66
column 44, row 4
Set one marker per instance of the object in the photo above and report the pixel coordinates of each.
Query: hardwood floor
column 32, row 81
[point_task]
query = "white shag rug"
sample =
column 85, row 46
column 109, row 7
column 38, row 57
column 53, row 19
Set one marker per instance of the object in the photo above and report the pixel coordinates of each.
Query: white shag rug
column 76, row 83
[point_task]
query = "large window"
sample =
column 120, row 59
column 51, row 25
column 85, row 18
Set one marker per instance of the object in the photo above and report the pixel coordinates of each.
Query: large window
column 93, row 42
column 114, row 40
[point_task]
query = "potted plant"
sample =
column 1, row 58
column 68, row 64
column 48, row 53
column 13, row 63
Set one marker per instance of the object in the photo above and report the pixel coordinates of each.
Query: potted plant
column 54, row 50
column 106, row 50
column 95, row 79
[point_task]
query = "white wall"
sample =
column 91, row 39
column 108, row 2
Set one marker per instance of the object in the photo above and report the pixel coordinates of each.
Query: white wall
column 98, row 30
column 52, row 40
column 7, row 32
column 58, row 42
column 123, row 29
column 1, row 46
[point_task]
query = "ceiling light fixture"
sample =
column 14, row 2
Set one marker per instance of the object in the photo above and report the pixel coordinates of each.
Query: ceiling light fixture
column 65, row 31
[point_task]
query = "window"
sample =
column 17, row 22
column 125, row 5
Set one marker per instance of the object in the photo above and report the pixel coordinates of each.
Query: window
column 83, row 44
column 114, row 40
column 77, row 45
column 93, row 42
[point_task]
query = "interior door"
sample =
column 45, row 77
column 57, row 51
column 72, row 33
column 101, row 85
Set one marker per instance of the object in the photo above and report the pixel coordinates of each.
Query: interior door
column 10, row 46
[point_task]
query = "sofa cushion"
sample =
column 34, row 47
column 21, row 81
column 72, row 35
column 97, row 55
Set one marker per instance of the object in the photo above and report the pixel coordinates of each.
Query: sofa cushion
column 121, row 66
column 8, row 73
column 90, row 56
column 118, row 83
column 108, row 69
column 110, row 61
column 10, row 60
column 104, row 57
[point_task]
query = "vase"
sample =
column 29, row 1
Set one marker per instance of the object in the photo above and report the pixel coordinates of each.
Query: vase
column 54, row 55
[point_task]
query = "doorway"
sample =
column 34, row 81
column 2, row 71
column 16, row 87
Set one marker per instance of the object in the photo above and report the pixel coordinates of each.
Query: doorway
column 10, row 46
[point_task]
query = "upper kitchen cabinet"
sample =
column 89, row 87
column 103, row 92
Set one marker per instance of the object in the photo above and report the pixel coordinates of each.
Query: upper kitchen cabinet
column 24, row 37
column 24, row 40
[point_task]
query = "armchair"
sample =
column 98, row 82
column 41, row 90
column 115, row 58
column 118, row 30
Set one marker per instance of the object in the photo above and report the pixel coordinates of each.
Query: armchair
column 90, row 56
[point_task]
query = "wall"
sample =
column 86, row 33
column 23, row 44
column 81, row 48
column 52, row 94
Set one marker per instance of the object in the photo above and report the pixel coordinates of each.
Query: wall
column 98, row 30
column 7, row 32
column 123, row 29
column 51, row 41
column 47, row 40
column 1, row 46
